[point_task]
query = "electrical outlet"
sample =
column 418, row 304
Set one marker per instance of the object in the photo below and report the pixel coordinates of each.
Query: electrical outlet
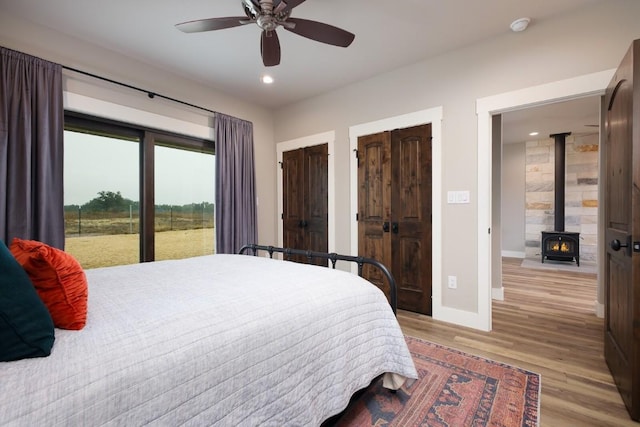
column 453, row 282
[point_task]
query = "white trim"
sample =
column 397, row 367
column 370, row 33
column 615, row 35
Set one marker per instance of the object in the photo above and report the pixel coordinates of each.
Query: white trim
column 99, row 108
column 577, row 87
column 599, row 309
column 308, row 141
column 563, row 90
column 497, row 293
column 433, row 116
column 484, row 221
column 458, row 317
column 514, row 254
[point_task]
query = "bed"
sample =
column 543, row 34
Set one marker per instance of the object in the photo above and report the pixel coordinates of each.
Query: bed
column 227, row 340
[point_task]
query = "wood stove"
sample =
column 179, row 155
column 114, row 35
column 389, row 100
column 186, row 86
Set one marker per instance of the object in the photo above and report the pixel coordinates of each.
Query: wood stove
column 560, row 245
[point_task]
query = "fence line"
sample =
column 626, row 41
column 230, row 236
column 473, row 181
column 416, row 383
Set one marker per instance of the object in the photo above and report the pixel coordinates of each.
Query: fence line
column 123, row 222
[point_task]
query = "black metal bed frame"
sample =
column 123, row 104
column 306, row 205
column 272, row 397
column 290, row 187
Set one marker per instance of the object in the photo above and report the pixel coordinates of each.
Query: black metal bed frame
column 333, row 257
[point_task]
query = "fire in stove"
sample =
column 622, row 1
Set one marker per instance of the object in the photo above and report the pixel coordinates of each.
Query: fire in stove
column 560, row 247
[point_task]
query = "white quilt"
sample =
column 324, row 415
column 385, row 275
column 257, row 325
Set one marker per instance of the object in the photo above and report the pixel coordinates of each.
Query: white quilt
column 224, row 340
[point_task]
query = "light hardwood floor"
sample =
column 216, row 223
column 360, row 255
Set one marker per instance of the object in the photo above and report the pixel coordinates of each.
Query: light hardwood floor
column 546, row 324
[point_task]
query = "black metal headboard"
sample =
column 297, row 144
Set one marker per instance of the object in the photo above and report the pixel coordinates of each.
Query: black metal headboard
column 333, row 257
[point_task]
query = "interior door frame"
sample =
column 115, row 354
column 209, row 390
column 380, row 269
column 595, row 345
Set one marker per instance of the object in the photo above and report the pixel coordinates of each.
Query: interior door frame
column 309, row 141
column 593, row 84
column 433, row 116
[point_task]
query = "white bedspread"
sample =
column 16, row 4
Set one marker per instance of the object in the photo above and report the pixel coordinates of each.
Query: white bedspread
column 222, row 340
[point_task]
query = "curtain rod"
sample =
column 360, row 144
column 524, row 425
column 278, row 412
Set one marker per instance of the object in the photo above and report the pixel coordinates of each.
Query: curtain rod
column 149, row 93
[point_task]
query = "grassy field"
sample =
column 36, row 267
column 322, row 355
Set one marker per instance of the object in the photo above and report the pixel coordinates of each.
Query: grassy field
column 116, row 249
column 100, row 223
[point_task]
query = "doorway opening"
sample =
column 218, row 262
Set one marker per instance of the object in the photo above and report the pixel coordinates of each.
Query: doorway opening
column 545, row 186
column 579, row 87
column 548, row 196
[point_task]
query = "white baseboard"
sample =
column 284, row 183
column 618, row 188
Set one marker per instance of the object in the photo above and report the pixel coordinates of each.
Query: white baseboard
column 513, row 254
column 460, row 318
column 497, row 293
column 599, row 309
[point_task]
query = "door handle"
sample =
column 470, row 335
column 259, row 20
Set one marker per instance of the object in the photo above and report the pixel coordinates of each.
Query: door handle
column 394, row 228
column 385, row 226
column 303, row 224
column 616, row 245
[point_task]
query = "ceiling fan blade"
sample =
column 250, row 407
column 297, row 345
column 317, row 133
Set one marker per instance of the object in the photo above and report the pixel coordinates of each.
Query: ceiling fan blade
column 320, row 32
column 279, row 6
column 270, row 48
column 253, row 6
column 212, row 24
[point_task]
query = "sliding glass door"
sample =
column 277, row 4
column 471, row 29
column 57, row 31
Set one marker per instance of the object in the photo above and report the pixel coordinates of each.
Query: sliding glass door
column 135, row 195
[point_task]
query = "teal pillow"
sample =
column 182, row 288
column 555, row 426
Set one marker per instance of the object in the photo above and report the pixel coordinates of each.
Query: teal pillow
column 26, row 328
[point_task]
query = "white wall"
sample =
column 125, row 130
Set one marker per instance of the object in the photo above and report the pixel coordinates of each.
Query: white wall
column 513, row 203
column 42, row 42
column 589, row 41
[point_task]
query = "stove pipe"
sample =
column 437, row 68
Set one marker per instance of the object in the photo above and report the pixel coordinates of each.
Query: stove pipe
column 559, row 184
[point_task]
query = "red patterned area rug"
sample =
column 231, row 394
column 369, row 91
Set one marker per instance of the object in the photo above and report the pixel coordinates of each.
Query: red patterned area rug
column 455, row 389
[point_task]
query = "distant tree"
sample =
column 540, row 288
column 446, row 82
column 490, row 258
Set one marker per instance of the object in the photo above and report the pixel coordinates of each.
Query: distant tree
column 107, row 201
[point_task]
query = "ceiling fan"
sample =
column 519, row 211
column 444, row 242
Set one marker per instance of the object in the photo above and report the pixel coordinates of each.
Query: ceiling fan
column 269, row 15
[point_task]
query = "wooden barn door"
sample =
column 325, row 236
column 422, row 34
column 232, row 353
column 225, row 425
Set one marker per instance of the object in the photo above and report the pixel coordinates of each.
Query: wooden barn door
column 305, row 199
column 622, row 232
column 394, row 212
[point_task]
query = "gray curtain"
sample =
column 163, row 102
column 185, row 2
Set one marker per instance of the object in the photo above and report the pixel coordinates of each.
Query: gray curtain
column 236, row 216
column 31, row 144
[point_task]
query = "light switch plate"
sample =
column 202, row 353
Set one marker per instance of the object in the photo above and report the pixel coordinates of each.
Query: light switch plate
column 452, row 282
column 451, row 197
column 462, row 197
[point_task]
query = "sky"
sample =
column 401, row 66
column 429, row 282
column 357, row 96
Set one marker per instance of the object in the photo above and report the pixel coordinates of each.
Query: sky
column 95, row 163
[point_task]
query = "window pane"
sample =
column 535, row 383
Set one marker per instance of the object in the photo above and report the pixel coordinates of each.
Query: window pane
column 184, row 203
column 101, row 181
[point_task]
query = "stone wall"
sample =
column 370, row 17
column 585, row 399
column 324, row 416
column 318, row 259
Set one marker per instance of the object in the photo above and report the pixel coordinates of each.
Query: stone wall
column 581, row 192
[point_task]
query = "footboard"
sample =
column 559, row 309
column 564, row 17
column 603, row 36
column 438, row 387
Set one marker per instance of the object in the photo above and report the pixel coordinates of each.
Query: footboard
column 334, row 258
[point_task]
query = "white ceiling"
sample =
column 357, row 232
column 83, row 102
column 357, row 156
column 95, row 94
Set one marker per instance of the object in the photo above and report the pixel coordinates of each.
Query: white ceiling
column 389, row 34
column 578, row 116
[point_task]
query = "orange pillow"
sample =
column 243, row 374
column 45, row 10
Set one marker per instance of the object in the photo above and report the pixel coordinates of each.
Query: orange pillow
column 58, row 279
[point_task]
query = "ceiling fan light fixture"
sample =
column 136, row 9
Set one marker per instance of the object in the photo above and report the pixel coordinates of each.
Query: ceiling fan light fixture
column 520, row 24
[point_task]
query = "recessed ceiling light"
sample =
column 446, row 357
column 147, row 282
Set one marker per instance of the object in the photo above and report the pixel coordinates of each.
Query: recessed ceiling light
column 266, row 79
column 520, row 24
column 534, row 134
